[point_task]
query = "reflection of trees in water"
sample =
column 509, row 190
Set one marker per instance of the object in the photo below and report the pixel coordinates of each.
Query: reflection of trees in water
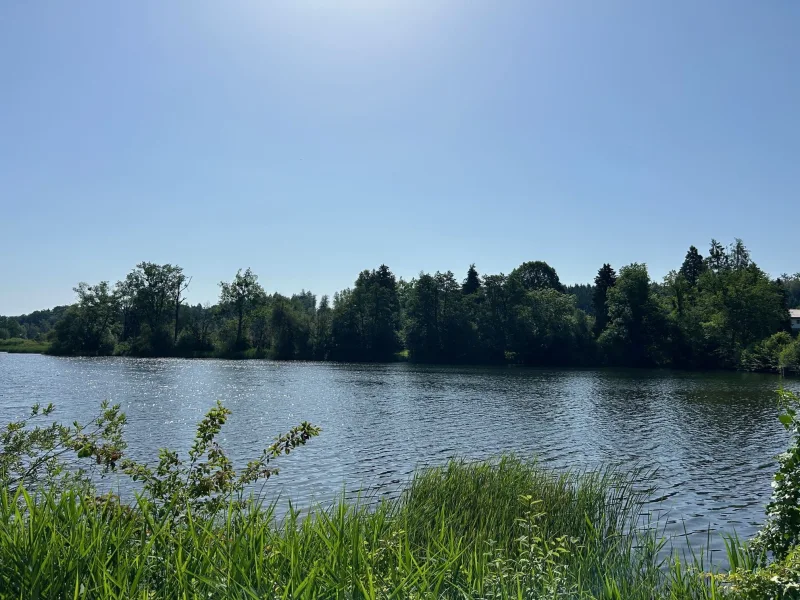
column 709, row 434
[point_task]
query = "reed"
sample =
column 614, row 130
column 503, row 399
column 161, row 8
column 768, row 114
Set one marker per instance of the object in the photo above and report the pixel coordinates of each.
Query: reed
column 502, row 529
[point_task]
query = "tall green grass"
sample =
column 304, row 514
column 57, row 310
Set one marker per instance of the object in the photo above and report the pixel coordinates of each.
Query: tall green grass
column 507, row 529
column 23, row 346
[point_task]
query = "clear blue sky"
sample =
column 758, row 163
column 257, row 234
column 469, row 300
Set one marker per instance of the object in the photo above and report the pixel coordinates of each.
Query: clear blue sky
column 312, row 140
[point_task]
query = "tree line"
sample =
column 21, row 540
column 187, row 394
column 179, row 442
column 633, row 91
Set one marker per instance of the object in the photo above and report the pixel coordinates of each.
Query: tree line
column 715, row 311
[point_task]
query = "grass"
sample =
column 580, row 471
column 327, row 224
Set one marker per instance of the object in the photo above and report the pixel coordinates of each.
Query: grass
column 507, row 529
column 23, row 346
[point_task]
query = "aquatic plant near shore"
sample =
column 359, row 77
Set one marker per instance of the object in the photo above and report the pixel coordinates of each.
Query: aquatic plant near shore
column 525, row 535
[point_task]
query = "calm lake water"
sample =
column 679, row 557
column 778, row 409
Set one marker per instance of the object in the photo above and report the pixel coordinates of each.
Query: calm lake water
column 712, row 436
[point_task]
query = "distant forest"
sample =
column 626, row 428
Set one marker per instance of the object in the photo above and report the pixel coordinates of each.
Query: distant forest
column 715, row 311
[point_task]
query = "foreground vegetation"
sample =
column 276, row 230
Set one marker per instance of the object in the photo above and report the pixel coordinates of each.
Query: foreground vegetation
column 718, row 311
column 501, row 529
column 507, row 530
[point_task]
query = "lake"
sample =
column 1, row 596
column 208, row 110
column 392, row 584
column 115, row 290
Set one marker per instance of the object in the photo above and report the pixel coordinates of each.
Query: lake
column 712, row 436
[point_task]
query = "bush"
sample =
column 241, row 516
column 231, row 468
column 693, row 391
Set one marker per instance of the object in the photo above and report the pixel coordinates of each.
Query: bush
column 77, row 335
column 781, row 532
column 191, row 344
column 766, row 354
column 779, row 580
column 790, row 356
column 31, row 456
column 751, row 576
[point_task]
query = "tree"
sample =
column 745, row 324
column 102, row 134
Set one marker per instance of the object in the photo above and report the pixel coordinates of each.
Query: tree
column 493, row 318
column 472, row 283
column 693, row 266
column 384, row 313
column 283, row 325
column 440, row 327
column 153, row 287
column 345, row 332
column 584, row 296
column 180, row 284
column 636, row 324
column 366, row 319
column 605, row 280
column 740, row 307
column 717, row 312
column 679, row 288
column 453, row 322
column 88, row 327
column 422, row 334
column 125, row 292
column 305, row 301
column 717, row 258
column 791, row 284
column 34, row 326
column 688, row 344
column 322, row 330
column 535, row 275
column 197, row 334
column 546, row 328
column 783, row 294
column 149, row 297
column 241, row 294
column 738, row 255
column 12, row 327
column 260, row 328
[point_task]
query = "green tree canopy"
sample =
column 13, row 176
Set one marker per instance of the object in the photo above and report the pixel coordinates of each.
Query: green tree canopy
column 636, row 325
column 89, row 326
column 693, row 266
column 535, row 275
column 366, row 319
column 472, row 283
column 241, row 295
column 604, row 281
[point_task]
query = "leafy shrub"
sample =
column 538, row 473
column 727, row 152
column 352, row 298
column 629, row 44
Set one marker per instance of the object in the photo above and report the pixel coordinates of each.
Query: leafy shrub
column 191, row 343
column 781, row 532
column 766, row 354
column 752, row 577
column 779, row 580
column 208, row 482
column 32, row 457
column 790, row 356
column 32, row 454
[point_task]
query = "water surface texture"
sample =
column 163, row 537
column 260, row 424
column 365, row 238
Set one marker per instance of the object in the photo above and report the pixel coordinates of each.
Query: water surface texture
column 712, row 436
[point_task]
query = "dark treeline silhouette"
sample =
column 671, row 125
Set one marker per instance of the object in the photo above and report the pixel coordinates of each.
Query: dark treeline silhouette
column 718, row 311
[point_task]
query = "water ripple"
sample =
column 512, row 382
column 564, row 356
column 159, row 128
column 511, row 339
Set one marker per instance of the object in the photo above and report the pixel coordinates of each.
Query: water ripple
column 712, row 437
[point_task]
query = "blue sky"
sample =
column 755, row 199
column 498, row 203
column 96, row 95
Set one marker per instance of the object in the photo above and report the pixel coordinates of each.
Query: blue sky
column 312, row 140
